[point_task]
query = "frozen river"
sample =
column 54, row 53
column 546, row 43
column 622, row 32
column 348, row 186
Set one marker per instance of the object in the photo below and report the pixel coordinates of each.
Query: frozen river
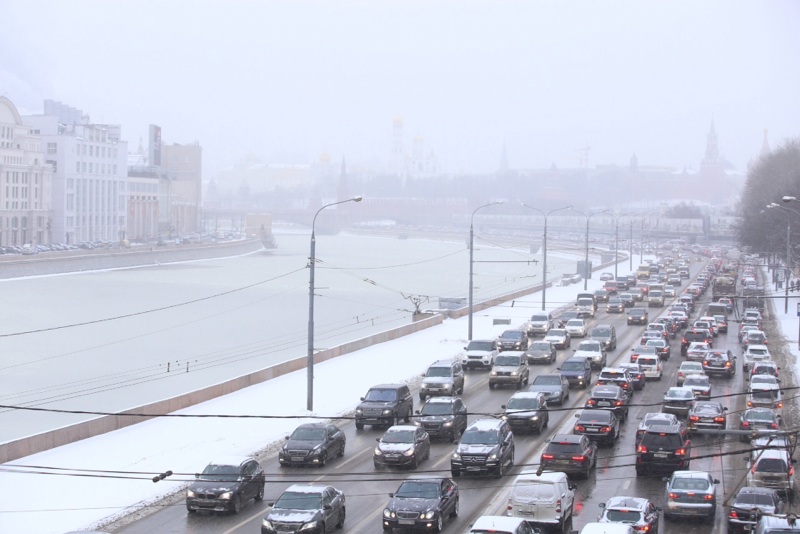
column 112, row 340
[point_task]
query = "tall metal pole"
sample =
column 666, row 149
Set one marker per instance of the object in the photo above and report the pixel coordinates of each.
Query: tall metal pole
column 586, row 258
column 616, row 245
column 471, row 256
column 544, row 249
column 630, row 256
column 787, row 270
column 312, row 260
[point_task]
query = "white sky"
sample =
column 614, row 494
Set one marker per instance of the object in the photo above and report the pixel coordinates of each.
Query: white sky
column 292, row 79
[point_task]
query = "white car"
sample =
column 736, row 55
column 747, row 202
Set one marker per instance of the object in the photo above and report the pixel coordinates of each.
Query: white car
column 650, row 366
column 594, row 352
column 576, row 328
column 755, row 353
column 689, row 368
column 697, row 351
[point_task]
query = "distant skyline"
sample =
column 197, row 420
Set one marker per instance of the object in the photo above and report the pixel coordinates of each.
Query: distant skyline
column 291, row 80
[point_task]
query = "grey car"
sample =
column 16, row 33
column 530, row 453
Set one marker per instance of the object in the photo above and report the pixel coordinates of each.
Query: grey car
column 554, row 385
column 541, row 352
column 510, row 368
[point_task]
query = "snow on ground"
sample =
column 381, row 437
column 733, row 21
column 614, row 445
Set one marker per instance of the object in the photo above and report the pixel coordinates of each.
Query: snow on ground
column 42, row 498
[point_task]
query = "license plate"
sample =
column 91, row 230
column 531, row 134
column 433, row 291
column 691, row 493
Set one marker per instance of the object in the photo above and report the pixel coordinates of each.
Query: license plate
column 525, row 512
column 297, row 458
column 406, row 521
column 592, row 430
column 562, row 461
column 473, row 468
column 604, row 403
column 661, row 455
column 747, row 527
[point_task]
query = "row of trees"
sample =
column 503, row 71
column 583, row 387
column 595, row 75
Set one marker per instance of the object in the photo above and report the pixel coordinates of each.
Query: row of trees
column 767, row 206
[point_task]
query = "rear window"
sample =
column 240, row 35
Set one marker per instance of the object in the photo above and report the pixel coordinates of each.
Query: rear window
column 560, row 447
column 772, row 465
column 598, row 416
column 660, row 439
column 646, row 360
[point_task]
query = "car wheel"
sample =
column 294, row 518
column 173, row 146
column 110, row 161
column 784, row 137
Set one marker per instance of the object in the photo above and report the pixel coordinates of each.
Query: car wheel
column 421, row 397
column 491, row 386
column 359, row 426
column 639, row 473
column 260, row 495
column 190, row 510
column 519, row 384
column 323, row 459
column 455, row 474
column 454, row 513
column 236, row 506
column 546, row 421
column 439, row 524
column 501, row 469
column 407, row 418
column 341, row 451
column 342, row 515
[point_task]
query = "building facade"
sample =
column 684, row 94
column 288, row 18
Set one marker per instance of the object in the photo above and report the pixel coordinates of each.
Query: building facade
column 183, row 189
column 26, row 175
column 89, row 198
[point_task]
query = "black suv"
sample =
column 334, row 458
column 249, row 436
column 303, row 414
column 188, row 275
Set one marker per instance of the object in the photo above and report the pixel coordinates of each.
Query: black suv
column 569, row 453
column 663, row 448
column 720, row 363
column 385, row 404
column 526, row 411
column 695, row 334
column 598, row 425
column 312, row 444
column 611, row 398
column 443, row 417
column 306, row 508
column 487, row 446
column 513, row 340
column 226, row 485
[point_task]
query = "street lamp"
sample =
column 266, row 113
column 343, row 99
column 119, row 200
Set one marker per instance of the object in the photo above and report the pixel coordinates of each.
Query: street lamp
column 586, row 257
column 312, row 260
column 471, row 243
column 788, row 268
column 544, row 249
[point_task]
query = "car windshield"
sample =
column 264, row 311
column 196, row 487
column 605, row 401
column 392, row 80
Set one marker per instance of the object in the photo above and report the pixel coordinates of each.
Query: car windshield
column 556, row 333
column 512, row 334
column 623, row 516
column 437, row 408
column 418, row 490
column 575, row 322
column 522, row 403
column 480, row 345
column 384, row 395
column 541, row 345
column 398, row 436
column 220, row 472
column 509, row 361
column 547, row 380
column 573, row 366
column 297, row 500
column 308, row 434
column 601, row 332
column 759, row 499
column 757, row 351
column 593, row 347
column 440, row 371
column 480, row 437
column 693, row 368
column 679, row 394
column 697, row 484
column 766, row 395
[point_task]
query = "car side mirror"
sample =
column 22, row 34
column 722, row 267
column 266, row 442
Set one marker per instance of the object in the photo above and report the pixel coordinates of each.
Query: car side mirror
column 577, row 415
column 503, row 406
column 197, row 475
column 286, row 437
column 716, row 481
column 362, row 399
column 377, row 439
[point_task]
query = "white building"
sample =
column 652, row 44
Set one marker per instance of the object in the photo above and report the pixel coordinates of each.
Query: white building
column 25, row 181
column 89, row 199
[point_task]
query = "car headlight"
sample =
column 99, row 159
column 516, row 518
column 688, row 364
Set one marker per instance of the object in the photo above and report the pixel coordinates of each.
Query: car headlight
column 535, row 418
column 387, row 411
column 456, row 456
column 309, row 526
column 266, row 523
column 226, row 496
column 419, row 423
column 388, row 513
column 190, row 494
column 504, row 417
column 492, row 457
column 448, row 424
column 378, row 451
column 428, row 515
column 515, row 373
column 409, row 452
column 359, row 411
column 494, row 373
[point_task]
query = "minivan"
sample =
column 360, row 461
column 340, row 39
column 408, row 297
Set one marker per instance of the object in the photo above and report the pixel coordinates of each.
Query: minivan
column 772, row 468
column 545, row 500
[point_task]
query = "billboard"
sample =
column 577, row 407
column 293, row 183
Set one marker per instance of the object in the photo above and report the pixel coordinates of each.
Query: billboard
column 154, row 147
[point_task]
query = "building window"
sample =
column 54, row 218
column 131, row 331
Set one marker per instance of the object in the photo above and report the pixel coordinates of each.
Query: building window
column 51, row 148
column 70, row 202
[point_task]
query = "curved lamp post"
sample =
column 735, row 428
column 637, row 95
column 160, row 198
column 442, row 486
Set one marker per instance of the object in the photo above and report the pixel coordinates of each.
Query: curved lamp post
column 788, row 269
column 471, row 243
column 586, row 257
column 312, row 260
column 544, row 249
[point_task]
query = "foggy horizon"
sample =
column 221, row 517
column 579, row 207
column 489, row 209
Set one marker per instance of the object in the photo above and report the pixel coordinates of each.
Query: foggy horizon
column 290, row 81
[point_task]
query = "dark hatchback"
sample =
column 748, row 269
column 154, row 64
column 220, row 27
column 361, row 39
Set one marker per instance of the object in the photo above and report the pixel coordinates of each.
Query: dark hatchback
column 226, row 485
column 663, row 449
column 598, row 425
column 749, row 505
column 443, row 417
column 421, row 504
column 312, row 444
column 720, row 363
column 611, row 398
column 571, row 454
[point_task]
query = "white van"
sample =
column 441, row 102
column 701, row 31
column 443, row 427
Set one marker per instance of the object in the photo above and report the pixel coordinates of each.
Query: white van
column 501, row 525
column 605, row 528
column 650, row 366
column 544, row 500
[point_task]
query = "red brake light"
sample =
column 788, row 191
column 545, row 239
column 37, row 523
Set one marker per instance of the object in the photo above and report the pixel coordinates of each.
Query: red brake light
column 580, row 428
column 605, row 429
column 774, row 426
column 680, row 452
column 694, row 418
column 547, row 457
column 674, row 496
column 733, row 515
column 579, row 458
column 719, row 419
column 591, row 402
column 618, row 403
column 746, row 424
column 641, row 448
column 708, row 497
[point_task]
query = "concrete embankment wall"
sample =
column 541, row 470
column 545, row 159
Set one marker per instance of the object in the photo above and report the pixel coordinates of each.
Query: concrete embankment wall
column 19, row 448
